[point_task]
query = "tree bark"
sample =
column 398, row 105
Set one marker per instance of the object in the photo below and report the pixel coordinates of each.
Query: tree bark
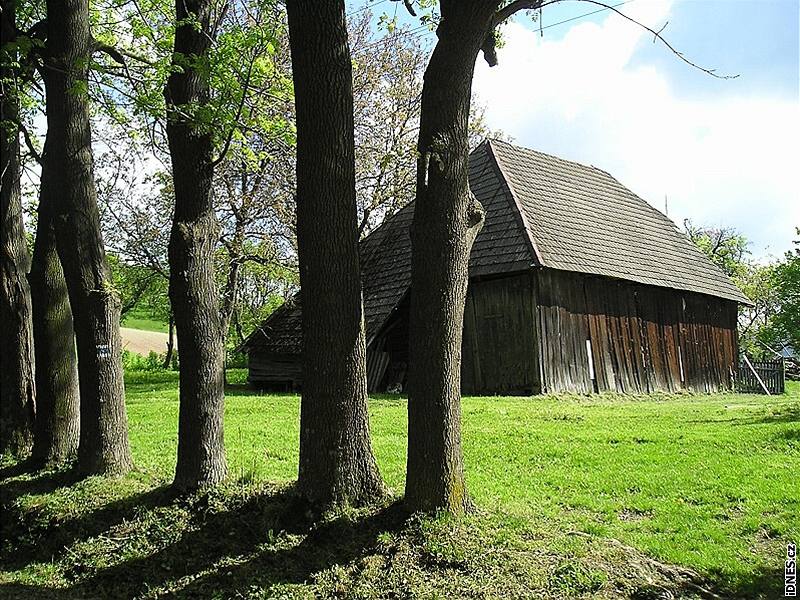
column 57, row 430
column 192, row 287
column 336, row 461
column 104, row 447
column 17, row 386
column 447, row 219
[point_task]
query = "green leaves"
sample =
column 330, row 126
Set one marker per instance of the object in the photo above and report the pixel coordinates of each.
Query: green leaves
column 787, row 280
column 726, row 247
column 246, row 70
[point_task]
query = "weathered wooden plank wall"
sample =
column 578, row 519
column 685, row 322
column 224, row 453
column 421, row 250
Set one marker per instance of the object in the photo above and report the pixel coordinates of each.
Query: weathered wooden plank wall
column 640, row 338
column 377, row 361
column 540, row 331
column 277, row 371
column 393, row 340
column 499, row 353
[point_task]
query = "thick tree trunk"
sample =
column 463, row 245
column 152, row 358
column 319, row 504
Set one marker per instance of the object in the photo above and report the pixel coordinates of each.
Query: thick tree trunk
column 336, row 461
column 192, row 287
column 17, row 396
column 446, row 220
column 104, row 447
column 57, row 428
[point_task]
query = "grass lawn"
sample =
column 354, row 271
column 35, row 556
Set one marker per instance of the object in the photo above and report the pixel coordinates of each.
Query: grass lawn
column 601, row 496
column 140, row 319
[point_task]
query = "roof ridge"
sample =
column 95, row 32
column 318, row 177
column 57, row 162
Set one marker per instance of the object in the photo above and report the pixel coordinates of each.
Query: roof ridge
column 582, row 218
column 545, row 154
column 535, row 254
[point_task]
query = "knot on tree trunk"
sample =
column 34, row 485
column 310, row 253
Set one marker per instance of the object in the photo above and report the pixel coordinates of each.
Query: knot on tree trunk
column 107, row 294
column 489, row 48
column 440, row 150
column 475, row 213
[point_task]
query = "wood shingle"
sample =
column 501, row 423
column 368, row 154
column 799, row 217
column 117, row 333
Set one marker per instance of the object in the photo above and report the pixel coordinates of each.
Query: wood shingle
column 541, row 211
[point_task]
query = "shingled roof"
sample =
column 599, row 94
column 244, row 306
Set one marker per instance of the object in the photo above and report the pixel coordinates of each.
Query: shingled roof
column 581, row 219
column 540, row 211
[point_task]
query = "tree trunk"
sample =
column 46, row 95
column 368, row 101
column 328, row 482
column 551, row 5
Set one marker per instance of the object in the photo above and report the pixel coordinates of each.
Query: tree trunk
column 57, row 430
column 170, row 342
column 231, row 289
column 192, row 287
column 336, row 461
column 17, row 396
column 447, row 219
column 104, row 447
column 237, row 325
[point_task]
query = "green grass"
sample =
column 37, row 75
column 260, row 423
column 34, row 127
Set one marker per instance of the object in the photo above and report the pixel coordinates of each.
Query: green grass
column 601, row 496
column 141, row 319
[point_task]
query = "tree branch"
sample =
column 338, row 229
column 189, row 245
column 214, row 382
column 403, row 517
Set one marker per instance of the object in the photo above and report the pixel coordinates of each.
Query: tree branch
column 143, row 286
column 119, row 55
column 657, row 36
column 514, row 7
column 29, row 142
column 517, row 5
column 245, row 90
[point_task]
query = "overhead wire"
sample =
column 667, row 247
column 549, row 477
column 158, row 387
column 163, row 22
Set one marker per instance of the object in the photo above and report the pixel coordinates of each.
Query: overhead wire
column 417, row 32
column 576, row 17
column 366, row 7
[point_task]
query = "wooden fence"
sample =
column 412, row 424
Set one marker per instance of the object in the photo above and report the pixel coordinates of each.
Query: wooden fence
column 771, row 372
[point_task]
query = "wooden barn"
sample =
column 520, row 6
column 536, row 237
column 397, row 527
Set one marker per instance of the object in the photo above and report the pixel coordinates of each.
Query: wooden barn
column 576, row 285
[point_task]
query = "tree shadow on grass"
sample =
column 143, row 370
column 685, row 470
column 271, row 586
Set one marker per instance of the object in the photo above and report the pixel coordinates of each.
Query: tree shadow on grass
column 792, row 435
column 265, row 540
column 785, row 414
column 44, row 540
column 16, row 469
column 338, row 542
column 43, row 482
column 762, row 582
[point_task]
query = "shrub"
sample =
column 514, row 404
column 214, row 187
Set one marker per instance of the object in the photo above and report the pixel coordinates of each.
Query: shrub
column 236, row 360
column 154, row 361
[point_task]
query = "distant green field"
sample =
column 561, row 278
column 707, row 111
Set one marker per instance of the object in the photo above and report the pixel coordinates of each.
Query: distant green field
column 140, row 319
column 578, row 497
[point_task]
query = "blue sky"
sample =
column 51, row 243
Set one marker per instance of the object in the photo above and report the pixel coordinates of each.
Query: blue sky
column 597, row 90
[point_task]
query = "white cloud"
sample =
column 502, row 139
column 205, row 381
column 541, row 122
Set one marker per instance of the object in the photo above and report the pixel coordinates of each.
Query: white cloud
column 725, row 161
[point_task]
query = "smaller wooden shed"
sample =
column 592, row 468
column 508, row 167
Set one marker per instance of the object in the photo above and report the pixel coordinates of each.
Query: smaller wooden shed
column 576, row 285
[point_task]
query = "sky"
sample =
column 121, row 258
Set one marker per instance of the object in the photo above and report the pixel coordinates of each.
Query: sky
column 600, row 91
column 721, row 152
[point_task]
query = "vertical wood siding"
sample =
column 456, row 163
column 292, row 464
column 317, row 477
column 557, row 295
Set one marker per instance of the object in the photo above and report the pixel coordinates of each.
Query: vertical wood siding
column 527, row 333
column 499, row 351
column 642, row 338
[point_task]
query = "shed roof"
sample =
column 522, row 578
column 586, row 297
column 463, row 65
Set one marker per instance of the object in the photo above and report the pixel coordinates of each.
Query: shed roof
column 540, row 211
